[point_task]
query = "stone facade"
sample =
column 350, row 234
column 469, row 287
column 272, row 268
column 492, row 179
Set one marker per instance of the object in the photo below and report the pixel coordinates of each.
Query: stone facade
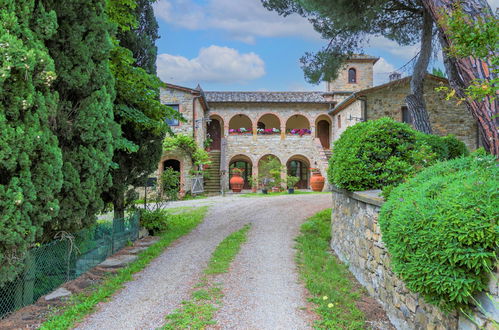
column 387, row 100
column 357, row 240
column 193, row 110
column 284, row 146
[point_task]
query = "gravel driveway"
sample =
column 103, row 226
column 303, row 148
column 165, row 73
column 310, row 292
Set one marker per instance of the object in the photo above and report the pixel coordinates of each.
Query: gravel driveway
column 261, row 290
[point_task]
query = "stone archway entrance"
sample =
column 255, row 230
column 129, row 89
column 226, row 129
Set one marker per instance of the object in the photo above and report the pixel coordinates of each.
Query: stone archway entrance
column 245, row 164
column 214, row 130
column 300, row 168
column 323, row 133
column 174, row 165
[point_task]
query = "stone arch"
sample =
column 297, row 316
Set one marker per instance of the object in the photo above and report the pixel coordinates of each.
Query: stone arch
column 239, row 121
column 299, row 166
column 180, row 169
column 323, row 130
column 297, row 121
column 215, row 130
column 245, row 163
column 269, row 120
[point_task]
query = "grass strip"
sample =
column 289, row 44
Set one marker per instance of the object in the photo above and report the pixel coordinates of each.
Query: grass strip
column 326, row 278
column 84, row 303
column 281, row 193
column 198, row 312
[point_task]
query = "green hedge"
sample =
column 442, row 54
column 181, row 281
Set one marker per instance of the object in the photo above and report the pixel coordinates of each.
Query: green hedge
column 375, row 154
column 441, row 229
column 446, row 147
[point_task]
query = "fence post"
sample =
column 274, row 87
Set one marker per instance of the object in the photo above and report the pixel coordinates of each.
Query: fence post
column 29, row 279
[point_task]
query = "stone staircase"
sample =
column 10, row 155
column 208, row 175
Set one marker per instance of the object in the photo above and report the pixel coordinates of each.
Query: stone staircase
column 212, row 183
column 328, row 153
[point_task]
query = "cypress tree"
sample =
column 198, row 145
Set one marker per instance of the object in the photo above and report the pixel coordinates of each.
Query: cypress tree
column 137, row 106
column 30, row 159
column 85, row 122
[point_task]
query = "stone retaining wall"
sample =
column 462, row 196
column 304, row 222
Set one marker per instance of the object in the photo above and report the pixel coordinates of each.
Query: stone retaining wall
column 356, row 239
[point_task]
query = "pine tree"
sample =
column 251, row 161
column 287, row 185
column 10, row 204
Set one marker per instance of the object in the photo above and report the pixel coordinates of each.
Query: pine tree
column 348, row 24
column 84, row 123
column 30, row 159
column 137, row 106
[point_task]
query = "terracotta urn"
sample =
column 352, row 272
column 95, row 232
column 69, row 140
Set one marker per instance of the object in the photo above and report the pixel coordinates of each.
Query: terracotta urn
column 317, row 181
column 236, row 182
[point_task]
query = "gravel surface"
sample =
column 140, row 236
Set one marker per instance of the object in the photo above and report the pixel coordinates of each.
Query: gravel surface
column 261, row 290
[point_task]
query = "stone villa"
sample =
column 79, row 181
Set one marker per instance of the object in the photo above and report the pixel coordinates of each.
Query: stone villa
column 297, row 128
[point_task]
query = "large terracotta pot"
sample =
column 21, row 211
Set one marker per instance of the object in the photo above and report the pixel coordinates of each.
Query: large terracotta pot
column 236, row 182
column 317, row 181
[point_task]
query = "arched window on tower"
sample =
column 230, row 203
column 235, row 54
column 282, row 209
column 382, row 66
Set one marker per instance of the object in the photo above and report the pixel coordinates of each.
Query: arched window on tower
column 352, row 76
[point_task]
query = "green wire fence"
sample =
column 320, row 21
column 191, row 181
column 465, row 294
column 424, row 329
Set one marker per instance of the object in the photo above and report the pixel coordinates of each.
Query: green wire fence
column 64, row 259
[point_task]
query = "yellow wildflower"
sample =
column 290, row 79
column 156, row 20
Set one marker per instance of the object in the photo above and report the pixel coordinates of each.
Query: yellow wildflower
column 330, row 305
column 324, row 298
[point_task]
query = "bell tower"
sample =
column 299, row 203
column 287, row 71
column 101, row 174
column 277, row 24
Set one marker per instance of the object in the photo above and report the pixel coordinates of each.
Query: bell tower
column 356, row 75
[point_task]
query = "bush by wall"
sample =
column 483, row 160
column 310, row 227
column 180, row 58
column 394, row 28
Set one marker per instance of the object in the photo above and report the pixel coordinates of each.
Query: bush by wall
column 446, row 147
column 441, row 229
column 375, row 154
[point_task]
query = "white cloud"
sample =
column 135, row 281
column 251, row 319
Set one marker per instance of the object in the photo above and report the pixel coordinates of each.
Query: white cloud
column 244, row 20
column 382, row 70
column 390, row 46
column 494, row 4
column 213, row 64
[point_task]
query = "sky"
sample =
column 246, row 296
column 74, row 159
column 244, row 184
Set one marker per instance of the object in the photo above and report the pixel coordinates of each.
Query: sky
column 238, row 45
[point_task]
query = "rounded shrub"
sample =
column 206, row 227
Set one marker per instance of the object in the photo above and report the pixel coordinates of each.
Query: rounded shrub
column 441, row 229
column 446, row 147
column 375, row 154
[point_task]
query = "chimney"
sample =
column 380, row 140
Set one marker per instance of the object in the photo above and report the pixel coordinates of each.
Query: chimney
column 395, row 76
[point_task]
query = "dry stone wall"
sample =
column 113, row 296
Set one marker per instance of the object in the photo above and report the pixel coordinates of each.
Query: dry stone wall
column 357, row 240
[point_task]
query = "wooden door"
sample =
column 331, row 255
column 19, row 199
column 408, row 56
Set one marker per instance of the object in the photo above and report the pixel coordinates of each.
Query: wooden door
column 300, row 170
column 215, row 133
column 323, row 133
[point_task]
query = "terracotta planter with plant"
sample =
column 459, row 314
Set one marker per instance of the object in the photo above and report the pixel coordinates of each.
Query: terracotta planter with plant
column 237, row 181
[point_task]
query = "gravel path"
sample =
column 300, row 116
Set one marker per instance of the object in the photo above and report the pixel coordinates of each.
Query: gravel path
column 262, row 289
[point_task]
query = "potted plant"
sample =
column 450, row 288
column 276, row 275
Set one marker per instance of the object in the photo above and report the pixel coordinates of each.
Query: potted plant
column 266, row 185
column 237, row 181
column 254, row 183
column 291, row 181
column 207, row 143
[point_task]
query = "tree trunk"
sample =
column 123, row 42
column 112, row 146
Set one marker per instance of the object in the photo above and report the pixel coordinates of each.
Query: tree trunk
column 119, row 206
column 415, row 101
column 463, row 71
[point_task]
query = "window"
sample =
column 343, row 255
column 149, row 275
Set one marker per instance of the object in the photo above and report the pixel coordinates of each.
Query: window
column 406, row 116
column 352, row 76
column 172, row 121
column 339, row 121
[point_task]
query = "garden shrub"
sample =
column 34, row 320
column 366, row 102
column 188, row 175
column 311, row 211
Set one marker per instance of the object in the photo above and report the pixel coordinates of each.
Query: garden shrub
column 375, row 154
column 155, row 221
column 441, row 229
column 446, row 147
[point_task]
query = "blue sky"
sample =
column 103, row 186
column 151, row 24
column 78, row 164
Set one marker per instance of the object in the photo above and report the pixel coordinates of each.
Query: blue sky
column 239, row 45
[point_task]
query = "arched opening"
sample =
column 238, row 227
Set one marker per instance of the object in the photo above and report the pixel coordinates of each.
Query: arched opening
column 299, row 166
column 269, row 169
column 245, row 164
column 240, row 124
column 323, row 129
column 214, row 132
column 269, row 124
column 173, row 164
column 352, row 76
column 298, row 125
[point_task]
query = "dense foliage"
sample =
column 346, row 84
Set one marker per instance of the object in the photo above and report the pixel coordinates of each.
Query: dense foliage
column 441, row 229
column 188, row 145
column 155, row 221
column 30, row 159
column 84, row 123
column 375, row 154
column 137, row 107
column 446, row 147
